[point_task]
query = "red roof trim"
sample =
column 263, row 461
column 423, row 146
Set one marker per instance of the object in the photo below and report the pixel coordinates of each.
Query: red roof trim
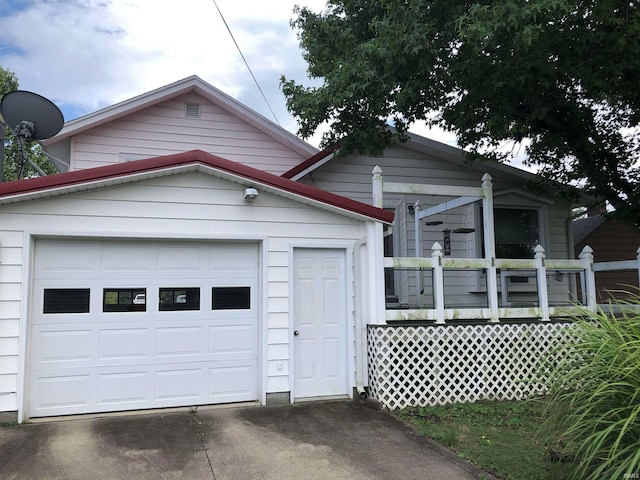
column 90, row 175
column 310, row 162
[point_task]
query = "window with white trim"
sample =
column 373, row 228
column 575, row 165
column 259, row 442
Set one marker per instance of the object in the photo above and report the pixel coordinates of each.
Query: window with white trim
column 517, row 232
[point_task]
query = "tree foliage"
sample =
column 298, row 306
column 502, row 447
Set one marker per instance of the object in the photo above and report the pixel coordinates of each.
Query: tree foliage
column 560, row 76
column 13, row 160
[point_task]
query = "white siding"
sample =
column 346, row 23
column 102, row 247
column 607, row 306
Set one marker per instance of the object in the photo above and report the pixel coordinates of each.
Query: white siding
column 165, row 129
column 10, row 292
column 190, row 206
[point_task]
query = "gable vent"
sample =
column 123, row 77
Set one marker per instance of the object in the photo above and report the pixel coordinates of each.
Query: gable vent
column 192, row 110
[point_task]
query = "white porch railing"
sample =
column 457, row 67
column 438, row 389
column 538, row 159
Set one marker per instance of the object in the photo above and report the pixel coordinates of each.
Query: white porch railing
column 493, row 312
column 577, row 293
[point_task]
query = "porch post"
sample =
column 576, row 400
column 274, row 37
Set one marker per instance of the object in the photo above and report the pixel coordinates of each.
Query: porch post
column 541, row 276
column 418, row 231
column 375, row 246
column 490, row 246
column 438, row 282
column 589, row 277
column 377, row 186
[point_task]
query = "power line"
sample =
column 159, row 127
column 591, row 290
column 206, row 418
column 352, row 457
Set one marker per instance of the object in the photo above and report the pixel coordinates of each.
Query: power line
column 247, row 64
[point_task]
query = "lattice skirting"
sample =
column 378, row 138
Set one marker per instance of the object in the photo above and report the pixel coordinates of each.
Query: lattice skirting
column 432, row 365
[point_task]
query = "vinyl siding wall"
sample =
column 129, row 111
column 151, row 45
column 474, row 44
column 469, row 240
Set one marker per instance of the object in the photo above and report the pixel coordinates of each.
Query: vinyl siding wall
column 165, row 129
column 351, row 177
column 188, row 206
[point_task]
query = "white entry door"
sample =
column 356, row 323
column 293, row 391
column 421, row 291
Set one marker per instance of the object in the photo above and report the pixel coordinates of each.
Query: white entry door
column 320, row 323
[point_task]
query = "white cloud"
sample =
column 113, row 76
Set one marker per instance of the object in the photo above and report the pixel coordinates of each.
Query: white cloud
column 88, row 54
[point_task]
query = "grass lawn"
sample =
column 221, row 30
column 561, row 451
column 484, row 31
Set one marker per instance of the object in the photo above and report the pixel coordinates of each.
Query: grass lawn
column 502, row 438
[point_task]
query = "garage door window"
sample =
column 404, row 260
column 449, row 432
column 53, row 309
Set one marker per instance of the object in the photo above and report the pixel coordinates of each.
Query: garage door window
column 66, row 300
column 176, row 298
column 231, row 298
column 124, row 300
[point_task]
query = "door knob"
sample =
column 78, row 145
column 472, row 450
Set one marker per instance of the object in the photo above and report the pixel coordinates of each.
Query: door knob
column 296, row 333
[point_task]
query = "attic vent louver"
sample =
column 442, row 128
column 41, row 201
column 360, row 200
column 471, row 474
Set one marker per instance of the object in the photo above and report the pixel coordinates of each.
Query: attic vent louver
column 192, row 110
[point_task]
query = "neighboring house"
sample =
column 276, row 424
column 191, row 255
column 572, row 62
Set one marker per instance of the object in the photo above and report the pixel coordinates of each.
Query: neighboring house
column 186, row 115
column 525, row 215
column 176, row 281
column 612, row 241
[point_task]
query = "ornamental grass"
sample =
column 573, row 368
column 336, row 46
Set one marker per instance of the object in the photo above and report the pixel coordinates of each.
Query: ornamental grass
column 594, row 393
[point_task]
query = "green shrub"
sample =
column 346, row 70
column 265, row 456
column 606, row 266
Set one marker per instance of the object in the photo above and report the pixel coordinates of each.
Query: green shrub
column 594, row 394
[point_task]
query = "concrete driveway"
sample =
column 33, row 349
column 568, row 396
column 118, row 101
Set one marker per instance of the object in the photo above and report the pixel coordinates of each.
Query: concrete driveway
column 320, row 440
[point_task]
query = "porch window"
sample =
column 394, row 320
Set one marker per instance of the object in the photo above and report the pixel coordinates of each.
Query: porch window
column 517, row 232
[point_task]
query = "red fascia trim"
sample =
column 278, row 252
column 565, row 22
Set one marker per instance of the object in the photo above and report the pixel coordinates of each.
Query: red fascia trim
column 309, row 162
column 79, row 177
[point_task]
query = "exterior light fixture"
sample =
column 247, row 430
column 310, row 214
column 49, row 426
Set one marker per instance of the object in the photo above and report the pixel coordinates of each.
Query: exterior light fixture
column 250, row 194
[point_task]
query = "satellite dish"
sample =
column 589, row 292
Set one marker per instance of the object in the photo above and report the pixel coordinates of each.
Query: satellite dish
column 31, row 116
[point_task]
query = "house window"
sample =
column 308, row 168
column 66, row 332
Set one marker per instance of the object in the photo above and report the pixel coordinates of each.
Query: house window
column 124, row 300
column 179, row 299
column 66, row 300
column 517, row 232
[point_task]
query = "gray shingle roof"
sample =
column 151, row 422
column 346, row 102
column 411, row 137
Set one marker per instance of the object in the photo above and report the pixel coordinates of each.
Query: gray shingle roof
column 585, row 226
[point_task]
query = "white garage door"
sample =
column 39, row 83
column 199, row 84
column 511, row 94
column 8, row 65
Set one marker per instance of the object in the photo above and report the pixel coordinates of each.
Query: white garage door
column 124, row 325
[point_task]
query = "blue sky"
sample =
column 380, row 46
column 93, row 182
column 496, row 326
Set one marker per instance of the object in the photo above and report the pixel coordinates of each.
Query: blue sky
column 88, row 54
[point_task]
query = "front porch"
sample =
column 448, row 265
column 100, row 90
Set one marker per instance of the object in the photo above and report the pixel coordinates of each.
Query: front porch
column 469, row 329
column 440, row 353
column 441, row 288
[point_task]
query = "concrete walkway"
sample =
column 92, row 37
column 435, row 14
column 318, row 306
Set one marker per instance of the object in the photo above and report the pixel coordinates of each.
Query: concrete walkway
column 311, row 441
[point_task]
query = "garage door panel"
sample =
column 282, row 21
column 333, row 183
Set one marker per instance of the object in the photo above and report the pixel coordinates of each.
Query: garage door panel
column 124, row 387
column 232, row 381
column 65, row 390
column 233, row 339
column 60, row 347
column 115, row 361
column 123, row 344
column 180, row 341
column 233, row 261
column 181, row 258
column 57, row 259
column 125, row 257
column 184, row 383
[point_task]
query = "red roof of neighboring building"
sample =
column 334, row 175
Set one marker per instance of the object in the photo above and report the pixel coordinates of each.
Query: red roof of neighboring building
column 194, row 157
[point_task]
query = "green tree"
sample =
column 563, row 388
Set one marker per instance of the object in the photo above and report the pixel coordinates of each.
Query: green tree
column 561, row 76
column 13, row 160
